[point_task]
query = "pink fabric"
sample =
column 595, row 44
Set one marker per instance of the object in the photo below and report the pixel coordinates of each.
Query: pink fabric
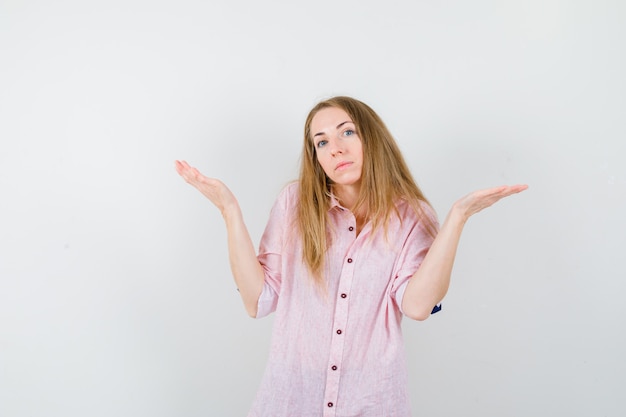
column 338, row 353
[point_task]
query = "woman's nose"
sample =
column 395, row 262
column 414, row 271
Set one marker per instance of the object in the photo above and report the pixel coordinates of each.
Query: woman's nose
column 335, row 148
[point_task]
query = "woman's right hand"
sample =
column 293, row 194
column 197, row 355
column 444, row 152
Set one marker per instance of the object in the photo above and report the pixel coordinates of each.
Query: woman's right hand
column 247, row 271
column 481, row 199
column 211, row 188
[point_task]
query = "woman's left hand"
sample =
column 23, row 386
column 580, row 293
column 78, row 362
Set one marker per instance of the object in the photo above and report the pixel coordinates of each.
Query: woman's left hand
column 481, row 199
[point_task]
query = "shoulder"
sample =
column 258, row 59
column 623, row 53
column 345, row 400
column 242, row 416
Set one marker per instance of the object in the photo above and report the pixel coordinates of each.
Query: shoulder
column 419, row 214
column 288, row 197
column 428, row 213
column 416, row 212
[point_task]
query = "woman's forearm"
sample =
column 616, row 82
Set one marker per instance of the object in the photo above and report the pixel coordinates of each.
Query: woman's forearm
column 430, row 283
column 247, row 271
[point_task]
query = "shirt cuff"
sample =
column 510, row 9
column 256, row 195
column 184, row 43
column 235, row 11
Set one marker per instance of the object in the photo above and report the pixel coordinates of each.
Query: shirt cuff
column 267, row 301
column 400, row 295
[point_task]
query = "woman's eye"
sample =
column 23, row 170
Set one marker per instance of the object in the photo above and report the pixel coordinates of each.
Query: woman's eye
column 321, row 143
column 349, row 132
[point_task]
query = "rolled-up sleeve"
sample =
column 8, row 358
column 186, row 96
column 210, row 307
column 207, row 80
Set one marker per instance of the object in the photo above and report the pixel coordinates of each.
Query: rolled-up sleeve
column 270, row 256
column 414, row 250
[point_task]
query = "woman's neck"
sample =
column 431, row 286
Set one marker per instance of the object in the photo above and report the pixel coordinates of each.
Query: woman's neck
column 347, row 195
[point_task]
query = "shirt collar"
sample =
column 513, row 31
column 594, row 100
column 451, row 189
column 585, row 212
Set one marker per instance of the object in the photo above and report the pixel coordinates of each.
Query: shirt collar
column 334, row 203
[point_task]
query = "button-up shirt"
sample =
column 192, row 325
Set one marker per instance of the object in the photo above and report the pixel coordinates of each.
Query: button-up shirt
column 337, row 350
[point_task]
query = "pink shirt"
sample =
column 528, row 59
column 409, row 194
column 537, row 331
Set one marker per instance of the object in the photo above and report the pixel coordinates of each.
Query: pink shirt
column 340, row 353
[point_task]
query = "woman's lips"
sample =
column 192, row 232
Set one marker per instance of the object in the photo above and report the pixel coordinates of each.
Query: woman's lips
column 342, row 165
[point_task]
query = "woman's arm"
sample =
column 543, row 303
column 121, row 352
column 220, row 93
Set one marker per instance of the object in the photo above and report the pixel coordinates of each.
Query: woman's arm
column 246, row 269
column 429, row 284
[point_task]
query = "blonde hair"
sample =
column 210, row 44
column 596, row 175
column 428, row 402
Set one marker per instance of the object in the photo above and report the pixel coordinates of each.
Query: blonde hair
column 384, row 179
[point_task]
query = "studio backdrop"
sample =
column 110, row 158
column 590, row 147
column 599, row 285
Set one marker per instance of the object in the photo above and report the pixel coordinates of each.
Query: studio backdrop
column 116, row 297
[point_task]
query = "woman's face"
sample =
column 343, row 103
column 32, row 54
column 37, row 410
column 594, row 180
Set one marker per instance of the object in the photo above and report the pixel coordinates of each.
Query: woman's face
column 337, row 146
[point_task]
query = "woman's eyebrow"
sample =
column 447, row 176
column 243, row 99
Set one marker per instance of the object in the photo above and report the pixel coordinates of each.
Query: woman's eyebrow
column 338, row 126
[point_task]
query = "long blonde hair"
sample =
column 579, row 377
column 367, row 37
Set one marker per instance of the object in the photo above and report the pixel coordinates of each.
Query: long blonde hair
column 384, row 179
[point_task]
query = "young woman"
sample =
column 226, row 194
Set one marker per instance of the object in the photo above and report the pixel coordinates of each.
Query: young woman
column 349, row 248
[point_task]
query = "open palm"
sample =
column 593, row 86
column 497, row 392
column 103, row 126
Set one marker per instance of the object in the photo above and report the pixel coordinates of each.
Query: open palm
column 481, row 199
column 212, row 188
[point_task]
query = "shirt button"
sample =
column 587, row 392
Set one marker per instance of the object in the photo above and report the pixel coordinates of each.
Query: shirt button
column 350, row 228
column 339, row 331
column 349, row 260
column 334, row 367
column 344, row 295
column 330, row 404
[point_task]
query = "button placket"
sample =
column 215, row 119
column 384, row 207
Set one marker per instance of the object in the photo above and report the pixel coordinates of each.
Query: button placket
column 338, row 338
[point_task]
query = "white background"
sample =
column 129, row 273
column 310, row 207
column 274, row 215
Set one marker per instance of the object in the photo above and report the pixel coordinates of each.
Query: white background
column 115, row 293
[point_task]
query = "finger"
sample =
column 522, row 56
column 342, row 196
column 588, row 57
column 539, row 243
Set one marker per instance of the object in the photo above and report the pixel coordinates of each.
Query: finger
column 519, row 188
column 182, row 167
column 196, row 175
column 514, row 189
column 188, row 174
column 179, row 166
column 502, row 192
column 185, row 165
column 506, row 189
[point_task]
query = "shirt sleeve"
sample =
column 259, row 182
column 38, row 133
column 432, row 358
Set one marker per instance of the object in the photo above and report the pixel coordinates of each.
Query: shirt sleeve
column 414, row 250
column 270, row 249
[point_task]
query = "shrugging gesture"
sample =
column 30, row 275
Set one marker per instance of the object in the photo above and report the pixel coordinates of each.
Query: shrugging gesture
column 331, row 345
column 247, row 271
column 431, row 281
